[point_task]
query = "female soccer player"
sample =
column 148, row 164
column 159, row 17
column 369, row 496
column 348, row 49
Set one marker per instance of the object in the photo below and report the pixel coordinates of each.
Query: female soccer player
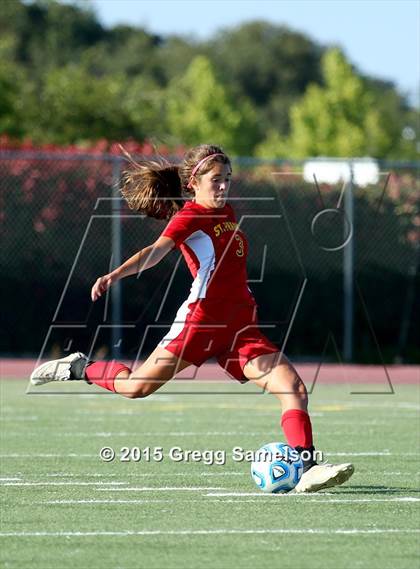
column 219, row 317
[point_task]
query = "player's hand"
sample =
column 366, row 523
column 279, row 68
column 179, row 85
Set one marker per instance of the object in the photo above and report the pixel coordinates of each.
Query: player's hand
column 101, row 285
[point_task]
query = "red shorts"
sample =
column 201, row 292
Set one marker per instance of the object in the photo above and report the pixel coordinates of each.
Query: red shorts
column 213, row 329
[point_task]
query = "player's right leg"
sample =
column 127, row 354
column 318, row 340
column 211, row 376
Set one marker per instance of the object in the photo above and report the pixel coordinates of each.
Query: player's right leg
column 159, row 368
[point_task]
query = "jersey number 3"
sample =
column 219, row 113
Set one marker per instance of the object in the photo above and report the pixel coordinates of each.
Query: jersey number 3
column 240, row 249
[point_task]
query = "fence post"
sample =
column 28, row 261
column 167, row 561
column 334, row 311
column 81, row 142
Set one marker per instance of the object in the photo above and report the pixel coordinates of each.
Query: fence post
column 116, row 297
column 348, row 271
column 408, row 306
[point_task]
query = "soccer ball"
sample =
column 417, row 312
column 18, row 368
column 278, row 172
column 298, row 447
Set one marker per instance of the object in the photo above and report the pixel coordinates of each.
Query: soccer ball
column 276, row 468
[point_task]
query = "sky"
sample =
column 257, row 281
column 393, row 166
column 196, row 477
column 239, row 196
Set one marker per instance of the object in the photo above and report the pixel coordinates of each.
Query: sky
column 380, row 37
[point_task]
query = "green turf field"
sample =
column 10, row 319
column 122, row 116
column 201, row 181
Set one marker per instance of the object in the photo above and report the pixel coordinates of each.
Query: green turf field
column 65, row 508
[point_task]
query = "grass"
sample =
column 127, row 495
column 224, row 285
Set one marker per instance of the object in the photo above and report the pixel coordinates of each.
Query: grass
column 63, row 507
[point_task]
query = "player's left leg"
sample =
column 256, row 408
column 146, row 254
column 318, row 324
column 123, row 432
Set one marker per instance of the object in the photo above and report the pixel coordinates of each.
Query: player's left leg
column 274, row 373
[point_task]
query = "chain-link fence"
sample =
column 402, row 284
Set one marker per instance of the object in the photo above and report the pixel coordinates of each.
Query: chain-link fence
column 333, row 258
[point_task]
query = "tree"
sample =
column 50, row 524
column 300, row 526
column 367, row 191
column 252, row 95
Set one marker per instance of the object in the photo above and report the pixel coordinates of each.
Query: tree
column 11, row 82
column 200, row 110
column 256, row 73
column 144, row 103
column 337, row 119
column 50, row 33
column 270, row 64
column 10, row 85
column 263, row 59
column 76, row 107
column 125, row 49
column 175, row 54
column 402, row 122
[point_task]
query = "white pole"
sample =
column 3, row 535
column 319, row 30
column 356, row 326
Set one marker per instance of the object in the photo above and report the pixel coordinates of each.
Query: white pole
column 348, row 271
column 116, row 297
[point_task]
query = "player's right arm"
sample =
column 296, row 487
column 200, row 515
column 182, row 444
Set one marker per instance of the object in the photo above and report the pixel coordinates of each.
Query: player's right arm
column 144, row 259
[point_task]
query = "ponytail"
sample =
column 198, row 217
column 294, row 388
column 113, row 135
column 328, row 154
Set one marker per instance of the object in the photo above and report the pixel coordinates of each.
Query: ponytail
column 152, row 187
column 159, row 188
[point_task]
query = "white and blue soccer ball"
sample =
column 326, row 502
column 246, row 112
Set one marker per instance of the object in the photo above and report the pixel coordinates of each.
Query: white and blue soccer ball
column 276, row 468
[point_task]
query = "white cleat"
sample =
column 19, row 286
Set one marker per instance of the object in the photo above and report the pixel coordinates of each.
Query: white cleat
column 322, row 476
column 59, row 370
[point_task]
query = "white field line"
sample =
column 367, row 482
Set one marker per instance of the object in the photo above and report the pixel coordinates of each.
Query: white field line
column 150, row 434
column 398, row 404
column 406, row 500
column 112, row 489
column 160, row 489
column 317, row 403
column 255, row 501
column 351, row 425
column 149, row 475
column 291, row 494
column 259, row 494
column 48, row 455
column 141, row 474
column 16, row 418
column 98, row 414
column 128, row 533
column 139, row 501
column 111, row 483
column 373, row 453
column 366, row 405
column 367, row 453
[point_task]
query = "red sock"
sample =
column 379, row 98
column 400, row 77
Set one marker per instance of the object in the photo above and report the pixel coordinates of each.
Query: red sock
column 297, row 428
column 104, row 373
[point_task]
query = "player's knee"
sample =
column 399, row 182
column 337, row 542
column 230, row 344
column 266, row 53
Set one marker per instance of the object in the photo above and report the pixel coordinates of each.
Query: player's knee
column 293, row 383
column 139, row 389
column 299, row 389
column 139, row 392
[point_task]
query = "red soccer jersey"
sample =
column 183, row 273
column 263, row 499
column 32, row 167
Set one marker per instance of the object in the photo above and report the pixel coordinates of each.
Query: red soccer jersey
column 215, row 250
